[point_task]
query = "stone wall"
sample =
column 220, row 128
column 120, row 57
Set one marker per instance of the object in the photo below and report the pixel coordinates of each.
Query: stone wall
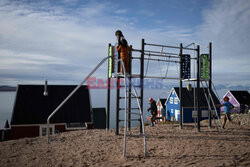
column 242, row 119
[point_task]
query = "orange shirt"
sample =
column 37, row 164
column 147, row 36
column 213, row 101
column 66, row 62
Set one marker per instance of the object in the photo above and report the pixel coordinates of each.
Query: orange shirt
column 123, row 51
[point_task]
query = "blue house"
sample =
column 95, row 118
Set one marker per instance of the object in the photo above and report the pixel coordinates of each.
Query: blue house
column 173, row 108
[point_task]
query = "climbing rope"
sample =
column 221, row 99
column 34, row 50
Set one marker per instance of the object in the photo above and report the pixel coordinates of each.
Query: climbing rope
column 147, row 65
column 167, row 67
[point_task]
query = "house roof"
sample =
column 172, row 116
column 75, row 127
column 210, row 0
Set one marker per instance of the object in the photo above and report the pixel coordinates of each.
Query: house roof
column 243, row 97
column 188, row 97
column 32, row 107
column 162, row 101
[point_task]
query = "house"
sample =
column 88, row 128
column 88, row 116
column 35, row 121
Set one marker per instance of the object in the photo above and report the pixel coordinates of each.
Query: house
column 160, row 105
column 32, row 108
column 99, row 118
column 5, row 132
column 240, row 100
column 173, row 108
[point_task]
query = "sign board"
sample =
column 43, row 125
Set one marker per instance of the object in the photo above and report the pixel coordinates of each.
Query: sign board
column 112, row 60
column 185, row 66
column 205, row 67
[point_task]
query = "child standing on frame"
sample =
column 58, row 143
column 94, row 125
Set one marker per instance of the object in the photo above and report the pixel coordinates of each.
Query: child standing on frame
column 123, row 49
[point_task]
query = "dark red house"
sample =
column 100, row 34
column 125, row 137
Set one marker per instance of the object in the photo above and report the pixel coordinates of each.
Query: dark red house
column 32, row 108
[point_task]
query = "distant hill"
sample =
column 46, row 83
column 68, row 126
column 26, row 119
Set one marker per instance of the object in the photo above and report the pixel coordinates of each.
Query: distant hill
column 7, row 88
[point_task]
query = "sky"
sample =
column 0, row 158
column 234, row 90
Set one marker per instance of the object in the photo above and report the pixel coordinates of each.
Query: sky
column 63, row 40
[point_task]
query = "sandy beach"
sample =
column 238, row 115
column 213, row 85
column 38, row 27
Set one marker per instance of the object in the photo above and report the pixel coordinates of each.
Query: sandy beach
column 167, row 145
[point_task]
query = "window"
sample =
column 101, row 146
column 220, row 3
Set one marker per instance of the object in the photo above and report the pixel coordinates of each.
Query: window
column 175, row 100
column 43, row 130
column 171, row 100
column 172, row 111
column 177, row 114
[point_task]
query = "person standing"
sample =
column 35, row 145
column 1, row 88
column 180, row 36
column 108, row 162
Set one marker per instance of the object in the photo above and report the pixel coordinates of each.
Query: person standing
column 163, row 114
column 227, row 109
column 153, row 109
column 123, row 49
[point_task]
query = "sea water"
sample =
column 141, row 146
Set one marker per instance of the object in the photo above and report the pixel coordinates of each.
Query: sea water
column 6, row 106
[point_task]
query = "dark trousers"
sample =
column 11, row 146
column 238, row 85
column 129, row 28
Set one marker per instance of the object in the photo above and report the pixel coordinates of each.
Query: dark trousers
column 153, row 119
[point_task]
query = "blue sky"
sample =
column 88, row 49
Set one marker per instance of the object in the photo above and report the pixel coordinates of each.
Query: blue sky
column 63, row 40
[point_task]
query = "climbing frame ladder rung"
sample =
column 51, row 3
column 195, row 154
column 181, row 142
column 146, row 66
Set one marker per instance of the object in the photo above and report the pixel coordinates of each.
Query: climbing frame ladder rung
column 128, row 95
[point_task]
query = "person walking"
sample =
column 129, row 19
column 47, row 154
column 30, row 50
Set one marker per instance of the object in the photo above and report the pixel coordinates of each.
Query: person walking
column 227, row 109
column 153, row 109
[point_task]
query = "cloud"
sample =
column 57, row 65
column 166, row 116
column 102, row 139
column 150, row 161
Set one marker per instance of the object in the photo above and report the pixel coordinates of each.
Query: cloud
column 121, row 11
column 42, row 38
column 66, row 40
column 146, row 13
column 226, row 24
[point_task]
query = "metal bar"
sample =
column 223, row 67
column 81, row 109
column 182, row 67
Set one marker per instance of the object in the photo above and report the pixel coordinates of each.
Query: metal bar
column 166, row 53
column 157, row 60
column 129, row 108
column 192, row 79
column 135, row 113
column 142, row 76
column 108, row 95
column 126, row 103
column 71, row 94
column 166, row 46
column 155, row 77
column 129, row 97
column 122, row 120
column 210, row 80
column 117, row 96
column 125, row 114
column 161, row 60
column 180, row 90
column 198, row 89
column 135, row 50
column 158, row 55
column 129, row 88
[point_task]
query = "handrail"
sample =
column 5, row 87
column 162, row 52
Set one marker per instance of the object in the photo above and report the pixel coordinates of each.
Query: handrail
column 71, row 94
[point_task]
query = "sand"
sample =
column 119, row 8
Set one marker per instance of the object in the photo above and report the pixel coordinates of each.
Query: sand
column 167, row 145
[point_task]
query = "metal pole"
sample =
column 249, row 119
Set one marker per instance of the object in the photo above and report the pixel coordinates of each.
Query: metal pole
column 180, row 90
column 171, row 61
column 160, row 55
column 165, row 46
column 108, row 92
column 210, row 80
column 142, row 76
column 198, row 89
column 126, row 112
column 117, row 96
column 129, row 89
